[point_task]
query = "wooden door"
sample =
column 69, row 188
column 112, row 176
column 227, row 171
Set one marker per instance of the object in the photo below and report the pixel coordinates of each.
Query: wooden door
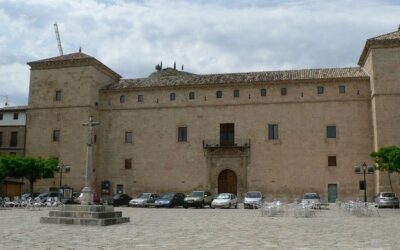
column 227, row 182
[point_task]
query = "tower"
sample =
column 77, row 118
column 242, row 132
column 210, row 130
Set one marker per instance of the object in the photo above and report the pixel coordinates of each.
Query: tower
column 63, row 93
column 381, row 60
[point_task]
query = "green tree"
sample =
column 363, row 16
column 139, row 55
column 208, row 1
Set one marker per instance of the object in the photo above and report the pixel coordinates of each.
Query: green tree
column 31, row 168
column 385, row 158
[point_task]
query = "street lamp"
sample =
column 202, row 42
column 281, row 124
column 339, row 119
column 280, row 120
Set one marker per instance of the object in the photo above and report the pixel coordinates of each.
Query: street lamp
column 61, row 168
column 364, row 169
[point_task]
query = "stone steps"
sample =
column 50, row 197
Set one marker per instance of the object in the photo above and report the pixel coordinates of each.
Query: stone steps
column 85, row 215
column 84, row 221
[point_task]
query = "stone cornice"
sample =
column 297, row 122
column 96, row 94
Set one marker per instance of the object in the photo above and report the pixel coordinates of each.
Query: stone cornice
column 376, row 44
column 81, row 62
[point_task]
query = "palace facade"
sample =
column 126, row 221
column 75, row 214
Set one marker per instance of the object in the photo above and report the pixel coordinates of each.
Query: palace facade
column 281, row 132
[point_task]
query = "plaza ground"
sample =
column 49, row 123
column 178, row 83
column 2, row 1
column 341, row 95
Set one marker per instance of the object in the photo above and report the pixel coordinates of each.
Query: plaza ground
column 180, row 228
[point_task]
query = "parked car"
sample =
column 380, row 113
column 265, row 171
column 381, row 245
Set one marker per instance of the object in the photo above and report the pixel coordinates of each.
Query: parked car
column 96, row 199
column 312, row 198
column 152, row 199
column 198, row 199
column 253, row 199
column 225, row 200
column 43, row 196
column 143, row 200
column 29, row 195
column 170, row 200
column 387, row 199
column 118, row 200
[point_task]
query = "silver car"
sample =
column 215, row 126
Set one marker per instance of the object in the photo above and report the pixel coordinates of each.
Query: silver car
column 225, row 200
column 253, row 199
column 387, row 199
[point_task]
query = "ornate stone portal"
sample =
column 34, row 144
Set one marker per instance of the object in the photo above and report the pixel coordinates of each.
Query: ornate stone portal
column 234, row 160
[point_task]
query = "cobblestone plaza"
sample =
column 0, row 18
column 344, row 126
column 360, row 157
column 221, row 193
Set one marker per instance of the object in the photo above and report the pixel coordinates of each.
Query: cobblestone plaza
column 205, row 229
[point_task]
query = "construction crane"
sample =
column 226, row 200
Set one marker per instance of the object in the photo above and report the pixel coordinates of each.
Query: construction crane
column 58, row 39
column 5, row 97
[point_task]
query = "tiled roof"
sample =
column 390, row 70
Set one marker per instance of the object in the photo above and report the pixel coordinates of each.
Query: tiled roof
column 72, row 56
column 391, row 39
column 14, row 108
column 389, row 36
column 179, row 78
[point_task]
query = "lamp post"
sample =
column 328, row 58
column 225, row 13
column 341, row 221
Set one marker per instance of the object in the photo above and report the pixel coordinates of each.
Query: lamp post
column 364, row 169
column 61, row 168
column 87, row 192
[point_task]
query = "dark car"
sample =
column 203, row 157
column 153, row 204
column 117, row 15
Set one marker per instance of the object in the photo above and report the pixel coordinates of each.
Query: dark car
column 119, row 200
column 170, row 200
column 198, row 199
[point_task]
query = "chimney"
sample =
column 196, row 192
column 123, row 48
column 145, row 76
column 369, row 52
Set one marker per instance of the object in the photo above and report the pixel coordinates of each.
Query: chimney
column 398, row 28
column 175, row 65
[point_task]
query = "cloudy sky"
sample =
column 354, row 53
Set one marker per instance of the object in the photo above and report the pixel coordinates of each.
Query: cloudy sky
column 213, row 36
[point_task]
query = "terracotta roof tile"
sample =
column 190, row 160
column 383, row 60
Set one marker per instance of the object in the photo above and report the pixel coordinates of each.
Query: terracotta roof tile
column 72, row 56
column 179, row 78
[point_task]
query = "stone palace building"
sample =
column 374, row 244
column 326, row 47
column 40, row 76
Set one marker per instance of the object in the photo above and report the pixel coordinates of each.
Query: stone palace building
column 281, row 132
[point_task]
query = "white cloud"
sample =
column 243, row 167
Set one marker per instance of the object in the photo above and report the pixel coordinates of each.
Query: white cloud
column 207, row 36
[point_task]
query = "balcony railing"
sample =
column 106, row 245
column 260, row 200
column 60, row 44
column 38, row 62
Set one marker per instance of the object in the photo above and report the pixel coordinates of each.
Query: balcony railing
column 215, row 143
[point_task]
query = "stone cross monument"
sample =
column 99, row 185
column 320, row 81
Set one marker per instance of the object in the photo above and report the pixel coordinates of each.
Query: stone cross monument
column 87, row 191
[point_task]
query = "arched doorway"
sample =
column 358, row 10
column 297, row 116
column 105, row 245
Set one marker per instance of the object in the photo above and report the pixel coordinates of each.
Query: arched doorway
column 227, row 182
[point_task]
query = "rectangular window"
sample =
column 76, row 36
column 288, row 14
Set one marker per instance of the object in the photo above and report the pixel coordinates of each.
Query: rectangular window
column 1, row 116
column 283, row 91
column 56, row 135
column 342, row 89
column 320, row 90
column 273, row 132
column 332, row 161
column 122, row 99
column 128, row 163
column 263, row 92
column 128, row 137
column 362, row 185
column 15, row 116
column 14, row 139
column 1, row 139
column 330, row 132
column 182, row 134
column 140, row 98
column 120, row 189
column 172, row 97
column 236, row 93
column 218, row 94
column 13, row 153
column 57, row 97
column 191, row 96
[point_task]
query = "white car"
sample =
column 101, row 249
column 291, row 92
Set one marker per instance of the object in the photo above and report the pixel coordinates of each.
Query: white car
column 226, row 200
column 312, row 198
column 141, row 200
column 253, row 199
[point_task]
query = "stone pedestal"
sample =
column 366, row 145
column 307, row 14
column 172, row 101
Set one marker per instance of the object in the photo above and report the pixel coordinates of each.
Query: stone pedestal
column 86, row 215
column 87, row 196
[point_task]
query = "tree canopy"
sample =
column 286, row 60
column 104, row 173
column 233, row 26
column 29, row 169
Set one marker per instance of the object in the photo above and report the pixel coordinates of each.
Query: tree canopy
column 387, row 159
column 31, row 168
